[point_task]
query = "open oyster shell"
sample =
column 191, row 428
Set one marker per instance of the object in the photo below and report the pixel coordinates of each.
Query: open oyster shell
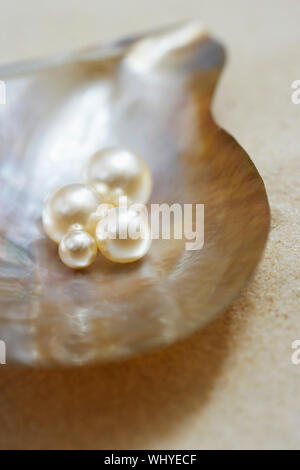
column 152, row 95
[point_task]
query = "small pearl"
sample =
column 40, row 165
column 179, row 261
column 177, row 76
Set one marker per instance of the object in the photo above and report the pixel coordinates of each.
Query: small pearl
column 123, row 235
column 123, row 170
column 72, row 204
column 77, row 249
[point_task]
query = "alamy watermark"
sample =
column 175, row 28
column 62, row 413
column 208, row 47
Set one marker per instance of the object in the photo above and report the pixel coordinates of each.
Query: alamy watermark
column 176, row 221
column 295, row 356
column 2, row 92
column 2, row 352
column 295, row 96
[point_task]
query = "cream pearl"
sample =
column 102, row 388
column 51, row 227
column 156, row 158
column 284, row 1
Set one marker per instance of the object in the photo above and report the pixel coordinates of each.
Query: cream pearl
column 123, row 170
column 77, row 249
column 101, row 189
column 95, row 217
column 123, row 235
column 70, row 205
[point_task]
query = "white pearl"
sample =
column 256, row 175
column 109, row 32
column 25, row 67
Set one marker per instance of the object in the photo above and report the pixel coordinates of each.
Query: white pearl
column 123, row 235
column 70, row 205
column 122, row 170
column 77, row 249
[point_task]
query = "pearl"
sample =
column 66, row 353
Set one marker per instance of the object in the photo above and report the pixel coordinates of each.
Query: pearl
column 122, row 170
column 123, row 235
column 95, row 217
column 101, row 189
column 68, row 206
column 77, row 249
column 116, row 197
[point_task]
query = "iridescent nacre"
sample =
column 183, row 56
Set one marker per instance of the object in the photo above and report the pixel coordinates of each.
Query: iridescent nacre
column 151, row 95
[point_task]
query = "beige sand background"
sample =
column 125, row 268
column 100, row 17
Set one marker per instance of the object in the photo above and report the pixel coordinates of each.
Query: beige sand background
column 232, row 385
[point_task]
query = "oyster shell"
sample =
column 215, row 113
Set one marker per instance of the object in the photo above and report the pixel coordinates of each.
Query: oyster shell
column 151, row 94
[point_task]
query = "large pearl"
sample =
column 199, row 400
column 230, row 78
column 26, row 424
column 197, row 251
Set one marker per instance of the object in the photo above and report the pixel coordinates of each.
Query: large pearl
column 77, row 249
column 123, row 235
column 122, row 169
column 70, row 205
column 96, row 216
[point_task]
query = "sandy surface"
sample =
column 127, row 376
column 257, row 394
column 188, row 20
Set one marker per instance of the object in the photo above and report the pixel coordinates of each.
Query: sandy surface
column 232, row 385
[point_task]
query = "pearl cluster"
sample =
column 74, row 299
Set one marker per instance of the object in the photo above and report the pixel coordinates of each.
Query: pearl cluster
column 75, row 215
